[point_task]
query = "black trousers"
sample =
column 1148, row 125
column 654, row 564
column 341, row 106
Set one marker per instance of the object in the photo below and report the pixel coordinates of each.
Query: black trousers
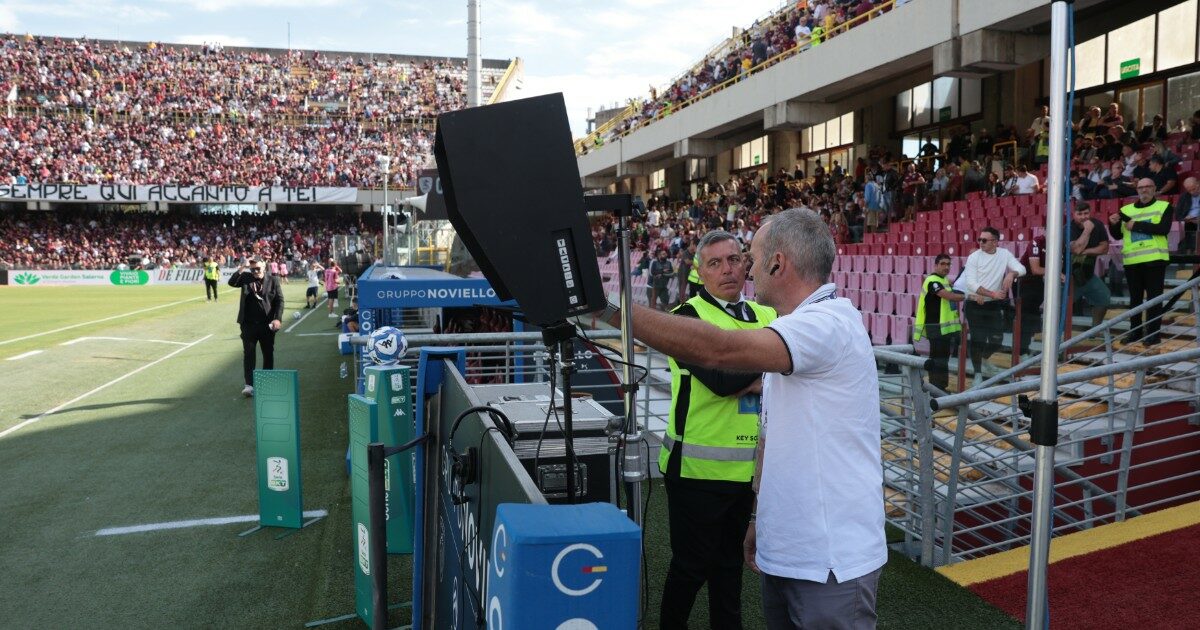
column 988, row 323
column 940, row 348
column 257, row 333
column 210, row 288
column 1031, row 313
column 1145, row 283
column 708, row 521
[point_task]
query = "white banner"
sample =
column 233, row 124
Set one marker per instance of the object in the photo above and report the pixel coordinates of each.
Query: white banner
column 108, row 277
column 173, row 193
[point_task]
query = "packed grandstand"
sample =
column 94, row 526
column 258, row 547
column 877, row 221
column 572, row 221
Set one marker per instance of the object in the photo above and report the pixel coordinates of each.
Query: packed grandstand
column 912, row 161
column 91, row 112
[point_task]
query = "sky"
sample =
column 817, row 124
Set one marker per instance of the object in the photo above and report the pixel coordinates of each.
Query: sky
column 596, row 53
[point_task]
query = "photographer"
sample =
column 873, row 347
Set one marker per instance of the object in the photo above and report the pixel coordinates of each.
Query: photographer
column 661, row 271
column 259, row 312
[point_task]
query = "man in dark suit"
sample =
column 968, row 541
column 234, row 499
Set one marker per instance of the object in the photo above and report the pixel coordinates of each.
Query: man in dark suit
column 1187, row 210
column 259, row 313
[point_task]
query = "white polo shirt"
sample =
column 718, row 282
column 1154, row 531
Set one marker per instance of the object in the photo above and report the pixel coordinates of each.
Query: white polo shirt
column 820, row 499
column 1027, row 185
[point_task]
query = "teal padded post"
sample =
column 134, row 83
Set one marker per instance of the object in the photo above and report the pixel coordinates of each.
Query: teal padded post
column 277, row 431
column 364, row 429
column 389, row 387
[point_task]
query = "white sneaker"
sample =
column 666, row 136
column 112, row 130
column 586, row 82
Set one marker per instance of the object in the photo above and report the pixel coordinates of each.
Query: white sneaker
column 248, row 391
column 332, row 315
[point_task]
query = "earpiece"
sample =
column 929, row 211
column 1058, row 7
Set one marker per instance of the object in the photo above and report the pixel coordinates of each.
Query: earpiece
column 773, row 270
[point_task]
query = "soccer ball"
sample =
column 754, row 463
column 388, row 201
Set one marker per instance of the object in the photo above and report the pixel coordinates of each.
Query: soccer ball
column 386, row 345
column 295, row 314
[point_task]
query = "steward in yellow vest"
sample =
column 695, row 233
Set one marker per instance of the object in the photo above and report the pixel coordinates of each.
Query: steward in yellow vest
column 719, row 429
column 707, row 456
column 212, row 273
column 1143, row 227
column 938, row 321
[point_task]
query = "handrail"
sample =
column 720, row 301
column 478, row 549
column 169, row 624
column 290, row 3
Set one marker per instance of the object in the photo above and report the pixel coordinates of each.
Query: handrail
column 975, row 395
column 1141, row 308
column 632, row 108
column 1007, row 143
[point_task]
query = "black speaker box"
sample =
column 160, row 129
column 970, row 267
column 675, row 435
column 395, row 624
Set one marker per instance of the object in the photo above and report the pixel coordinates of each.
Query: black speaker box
column 512, row 191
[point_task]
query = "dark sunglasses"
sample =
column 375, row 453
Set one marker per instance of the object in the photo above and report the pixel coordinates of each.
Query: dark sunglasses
column 985, row 241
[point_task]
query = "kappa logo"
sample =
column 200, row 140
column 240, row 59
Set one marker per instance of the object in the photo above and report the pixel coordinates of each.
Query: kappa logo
column 587, row 569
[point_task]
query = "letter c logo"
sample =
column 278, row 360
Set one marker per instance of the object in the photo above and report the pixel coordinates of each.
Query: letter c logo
column 595, row 569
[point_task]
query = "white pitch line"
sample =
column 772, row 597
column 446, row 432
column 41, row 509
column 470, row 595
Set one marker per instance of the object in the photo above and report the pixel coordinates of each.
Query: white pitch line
column 332, row 334
column 75, row 341
column 102, row 387
column 97, row 321
column 199, row 522
column 310, row 312
column 24, row 356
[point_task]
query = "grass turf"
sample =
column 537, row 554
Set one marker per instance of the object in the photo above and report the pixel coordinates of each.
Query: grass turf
column 176, row 441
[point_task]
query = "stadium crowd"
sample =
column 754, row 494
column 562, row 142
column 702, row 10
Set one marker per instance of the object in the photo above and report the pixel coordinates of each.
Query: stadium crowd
column 115, row 240
column 86, row 112
column 883, row 187
column 802, row 24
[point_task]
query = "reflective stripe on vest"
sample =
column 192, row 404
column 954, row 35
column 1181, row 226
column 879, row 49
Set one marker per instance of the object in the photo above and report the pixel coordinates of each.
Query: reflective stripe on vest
column 718, row 440
column 1148, row 247
column 947, row 323
column 712, row 453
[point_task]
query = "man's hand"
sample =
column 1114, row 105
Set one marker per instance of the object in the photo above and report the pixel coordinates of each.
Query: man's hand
column 1114, row 218
column 275, row 324
column 1087, row 227
column 1129, row 225
column 979, row 298
column 752, row 388
column 750, row 548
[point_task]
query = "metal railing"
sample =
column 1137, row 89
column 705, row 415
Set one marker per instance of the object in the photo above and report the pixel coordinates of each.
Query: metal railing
column 515, row 357
column 958, row 468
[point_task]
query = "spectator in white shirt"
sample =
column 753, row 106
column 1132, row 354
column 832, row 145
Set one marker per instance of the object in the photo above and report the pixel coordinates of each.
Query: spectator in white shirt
column 820, row 547
column 1039, row 124
column 653, row 217
column 988, row 276
column 1026, row 183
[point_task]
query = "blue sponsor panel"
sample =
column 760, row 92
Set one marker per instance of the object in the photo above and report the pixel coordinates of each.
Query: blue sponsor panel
column 419, row 287
column 563, row 566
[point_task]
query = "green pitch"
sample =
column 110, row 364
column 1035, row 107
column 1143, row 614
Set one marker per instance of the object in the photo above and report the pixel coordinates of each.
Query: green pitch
column 147, row 427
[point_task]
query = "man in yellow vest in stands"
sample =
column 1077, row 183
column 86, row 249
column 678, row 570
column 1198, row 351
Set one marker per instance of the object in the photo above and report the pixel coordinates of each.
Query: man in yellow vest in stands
column 1143, row 227
column 212, row 273
column 693, row 270
column 938, row 321
column 707, row 458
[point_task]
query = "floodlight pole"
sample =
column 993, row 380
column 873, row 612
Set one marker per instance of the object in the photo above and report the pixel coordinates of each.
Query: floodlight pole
column 474, row 91
column 1043, row 410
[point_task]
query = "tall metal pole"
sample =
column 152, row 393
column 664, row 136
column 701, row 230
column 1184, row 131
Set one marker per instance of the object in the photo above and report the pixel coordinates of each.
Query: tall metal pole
column 632, row 463
column 473, row 54
column 385, row 163
column 1044, row 410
